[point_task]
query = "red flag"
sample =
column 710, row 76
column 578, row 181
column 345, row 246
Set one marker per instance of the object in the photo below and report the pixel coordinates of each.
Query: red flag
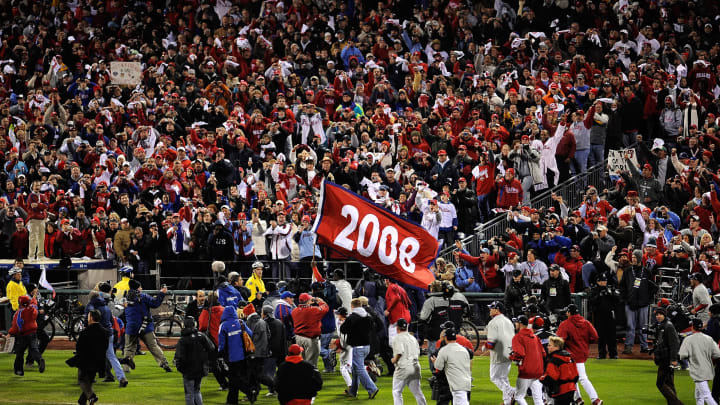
column 316, row 276
column 384, row 242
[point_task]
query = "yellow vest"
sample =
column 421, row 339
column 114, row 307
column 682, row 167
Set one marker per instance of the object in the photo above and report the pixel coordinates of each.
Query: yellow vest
column 255, row 285
column 15, row 290
column 122, row 286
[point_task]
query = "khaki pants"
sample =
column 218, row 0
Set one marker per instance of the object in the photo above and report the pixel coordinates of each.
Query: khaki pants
column 311, row 348
column 150, row 342
column 36, row 229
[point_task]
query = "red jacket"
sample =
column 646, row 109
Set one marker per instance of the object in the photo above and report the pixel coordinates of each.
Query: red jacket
column 397, row 303
column 509, row 194
column 573, row 267
column 71, row 243
column 213, row 325
column 578, row 334
column 527, row 349
column 562, row 371
column 20, row 243
column 490, row 275
column 28, row 311
column 461, row 340
column 50, row 239
column 40, row 211
column 306, row 319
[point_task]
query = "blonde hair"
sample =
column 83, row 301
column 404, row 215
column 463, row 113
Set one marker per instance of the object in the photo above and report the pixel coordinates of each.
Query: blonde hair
column 557, row 341
column 356, row 303
column 363, row 300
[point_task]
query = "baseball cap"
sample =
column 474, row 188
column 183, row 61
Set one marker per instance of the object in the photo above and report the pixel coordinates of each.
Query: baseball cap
column 305, row 297
column 287, row 294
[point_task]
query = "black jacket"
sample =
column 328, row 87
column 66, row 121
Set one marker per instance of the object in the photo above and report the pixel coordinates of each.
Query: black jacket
column 278, row 339
column 642, row 295
column 90, row 348
column 555, row 293
column 515, row 296
column 603, row 302
column 297, row 379
column 358, row 329
column 667, row 344
column 193, row 354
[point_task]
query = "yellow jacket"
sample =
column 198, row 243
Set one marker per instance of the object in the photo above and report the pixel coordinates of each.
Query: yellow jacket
column 122, row 286
column 16, row 290
column 255, row 285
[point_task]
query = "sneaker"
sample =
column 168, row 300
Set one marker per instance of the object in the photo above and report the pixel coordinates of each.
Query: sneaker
column 597, row 401
column 373, row 394
column 19, row 372
column 347, row 393
column 93, row 399
column 615, row 357
column 166, row 368
column 29, row 365
column 128, row 361
column 123, row 383
column 140, row 353
column 600, row 357
column 271, row 394
column 580, row 402
column 627, row 350
column 41, row 365
column 644, row 350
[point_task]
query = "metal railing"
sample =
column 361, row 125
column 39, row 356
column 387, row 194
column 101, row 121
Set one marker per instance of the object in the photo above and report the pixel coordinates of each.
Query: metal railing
column 568, row 190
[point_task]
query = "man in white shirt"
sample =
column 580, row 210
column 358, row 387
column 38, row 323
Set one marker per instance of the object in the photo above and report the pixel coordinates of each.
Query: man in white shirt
column 280, row 233
column 500, row 331
column 700, row 298
column 406, row 353
column 537, row 270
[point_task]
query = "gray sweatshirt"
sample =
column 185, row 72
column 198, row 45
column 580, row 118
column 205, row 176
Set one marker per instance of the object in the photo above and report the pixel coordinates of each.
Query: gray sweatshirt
column 700, row 350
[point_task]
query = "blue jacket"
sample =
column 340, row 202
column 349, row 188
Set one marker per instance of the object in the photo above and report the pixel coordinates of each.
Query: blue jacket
column 462, row 274
column 229, row 296
column 135, row 312
column 107, row 317
column 230, row 341
column 306, row 243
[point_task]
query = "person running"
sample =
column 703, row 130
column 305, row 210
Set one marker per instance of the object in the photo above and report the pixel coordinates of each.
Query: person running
column 578, row 333
column 701, row 351
column 454, row 360
column 232, row 349
column 24, row 328
column 406, row 352
column 500, row 332
column 529, row 354
column 98, row 301
column 358, row 327
column 140, row 325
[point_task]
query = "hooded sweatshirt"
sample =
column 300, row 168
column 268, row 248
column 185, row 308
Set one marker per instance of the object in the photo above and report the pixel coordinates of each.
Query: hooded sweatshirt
column 578, row 334
column 230, row 341
column 357, row 327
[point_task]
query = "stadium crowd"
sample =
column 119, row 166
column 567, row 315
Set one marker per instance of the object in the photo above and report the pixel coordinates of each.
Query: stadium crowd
column 446, row 113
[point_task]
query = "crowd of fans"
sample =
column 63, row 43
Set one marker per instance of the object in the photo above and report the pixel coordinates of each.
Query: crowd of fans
column 446, row 113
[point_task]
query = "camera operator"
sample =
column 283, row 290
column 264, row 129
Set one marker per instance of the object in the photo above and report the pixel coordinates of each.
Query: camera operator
column 636, row 291
column 516, row 292
column 603, row 300
column 443, row 304
column 555, row 292
column 667, row 345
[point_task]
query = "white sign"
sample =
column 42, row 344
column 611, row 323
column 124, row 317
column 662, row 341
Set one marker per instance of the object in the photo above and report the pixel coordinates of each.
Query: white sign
column 616, row 159
column 126, row 73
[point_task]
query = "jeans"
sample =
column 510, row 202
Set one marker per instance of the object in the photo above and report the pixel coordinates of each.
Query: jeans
column 29, row 342
column 192, row 391
column 112, row 358
column 597, row 154
column 579, row 161
column 269, row 366
column 587, row 271
column 629, row 138
column 359, row 374
column 325, row 351
column 527, row 185
column 636, row 319
column 484, row 207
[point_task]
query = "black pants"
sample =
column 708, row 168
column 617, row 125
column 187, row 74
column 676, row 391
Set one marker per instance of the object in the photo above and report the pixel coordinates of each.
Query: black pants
column 238, row 381
column 257, row 376
column 448, row 237
column 607, row 340
column 666, row 384
column 563, row 168
column 716, row 383
column 220, row 375
column 43, row 340
column 26, row 342
column 567, row 398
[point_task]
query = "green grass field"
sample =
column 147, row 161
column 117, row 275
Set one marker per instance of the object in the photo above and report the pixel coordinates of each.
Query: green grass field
column 617, row 382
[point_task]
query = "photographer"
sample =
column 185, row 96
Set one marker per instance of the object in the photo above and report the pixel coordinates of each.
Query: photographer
column 555, row 292
column 603, row 301
column 636, row 291
column 665, row 353
column 443, row 304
